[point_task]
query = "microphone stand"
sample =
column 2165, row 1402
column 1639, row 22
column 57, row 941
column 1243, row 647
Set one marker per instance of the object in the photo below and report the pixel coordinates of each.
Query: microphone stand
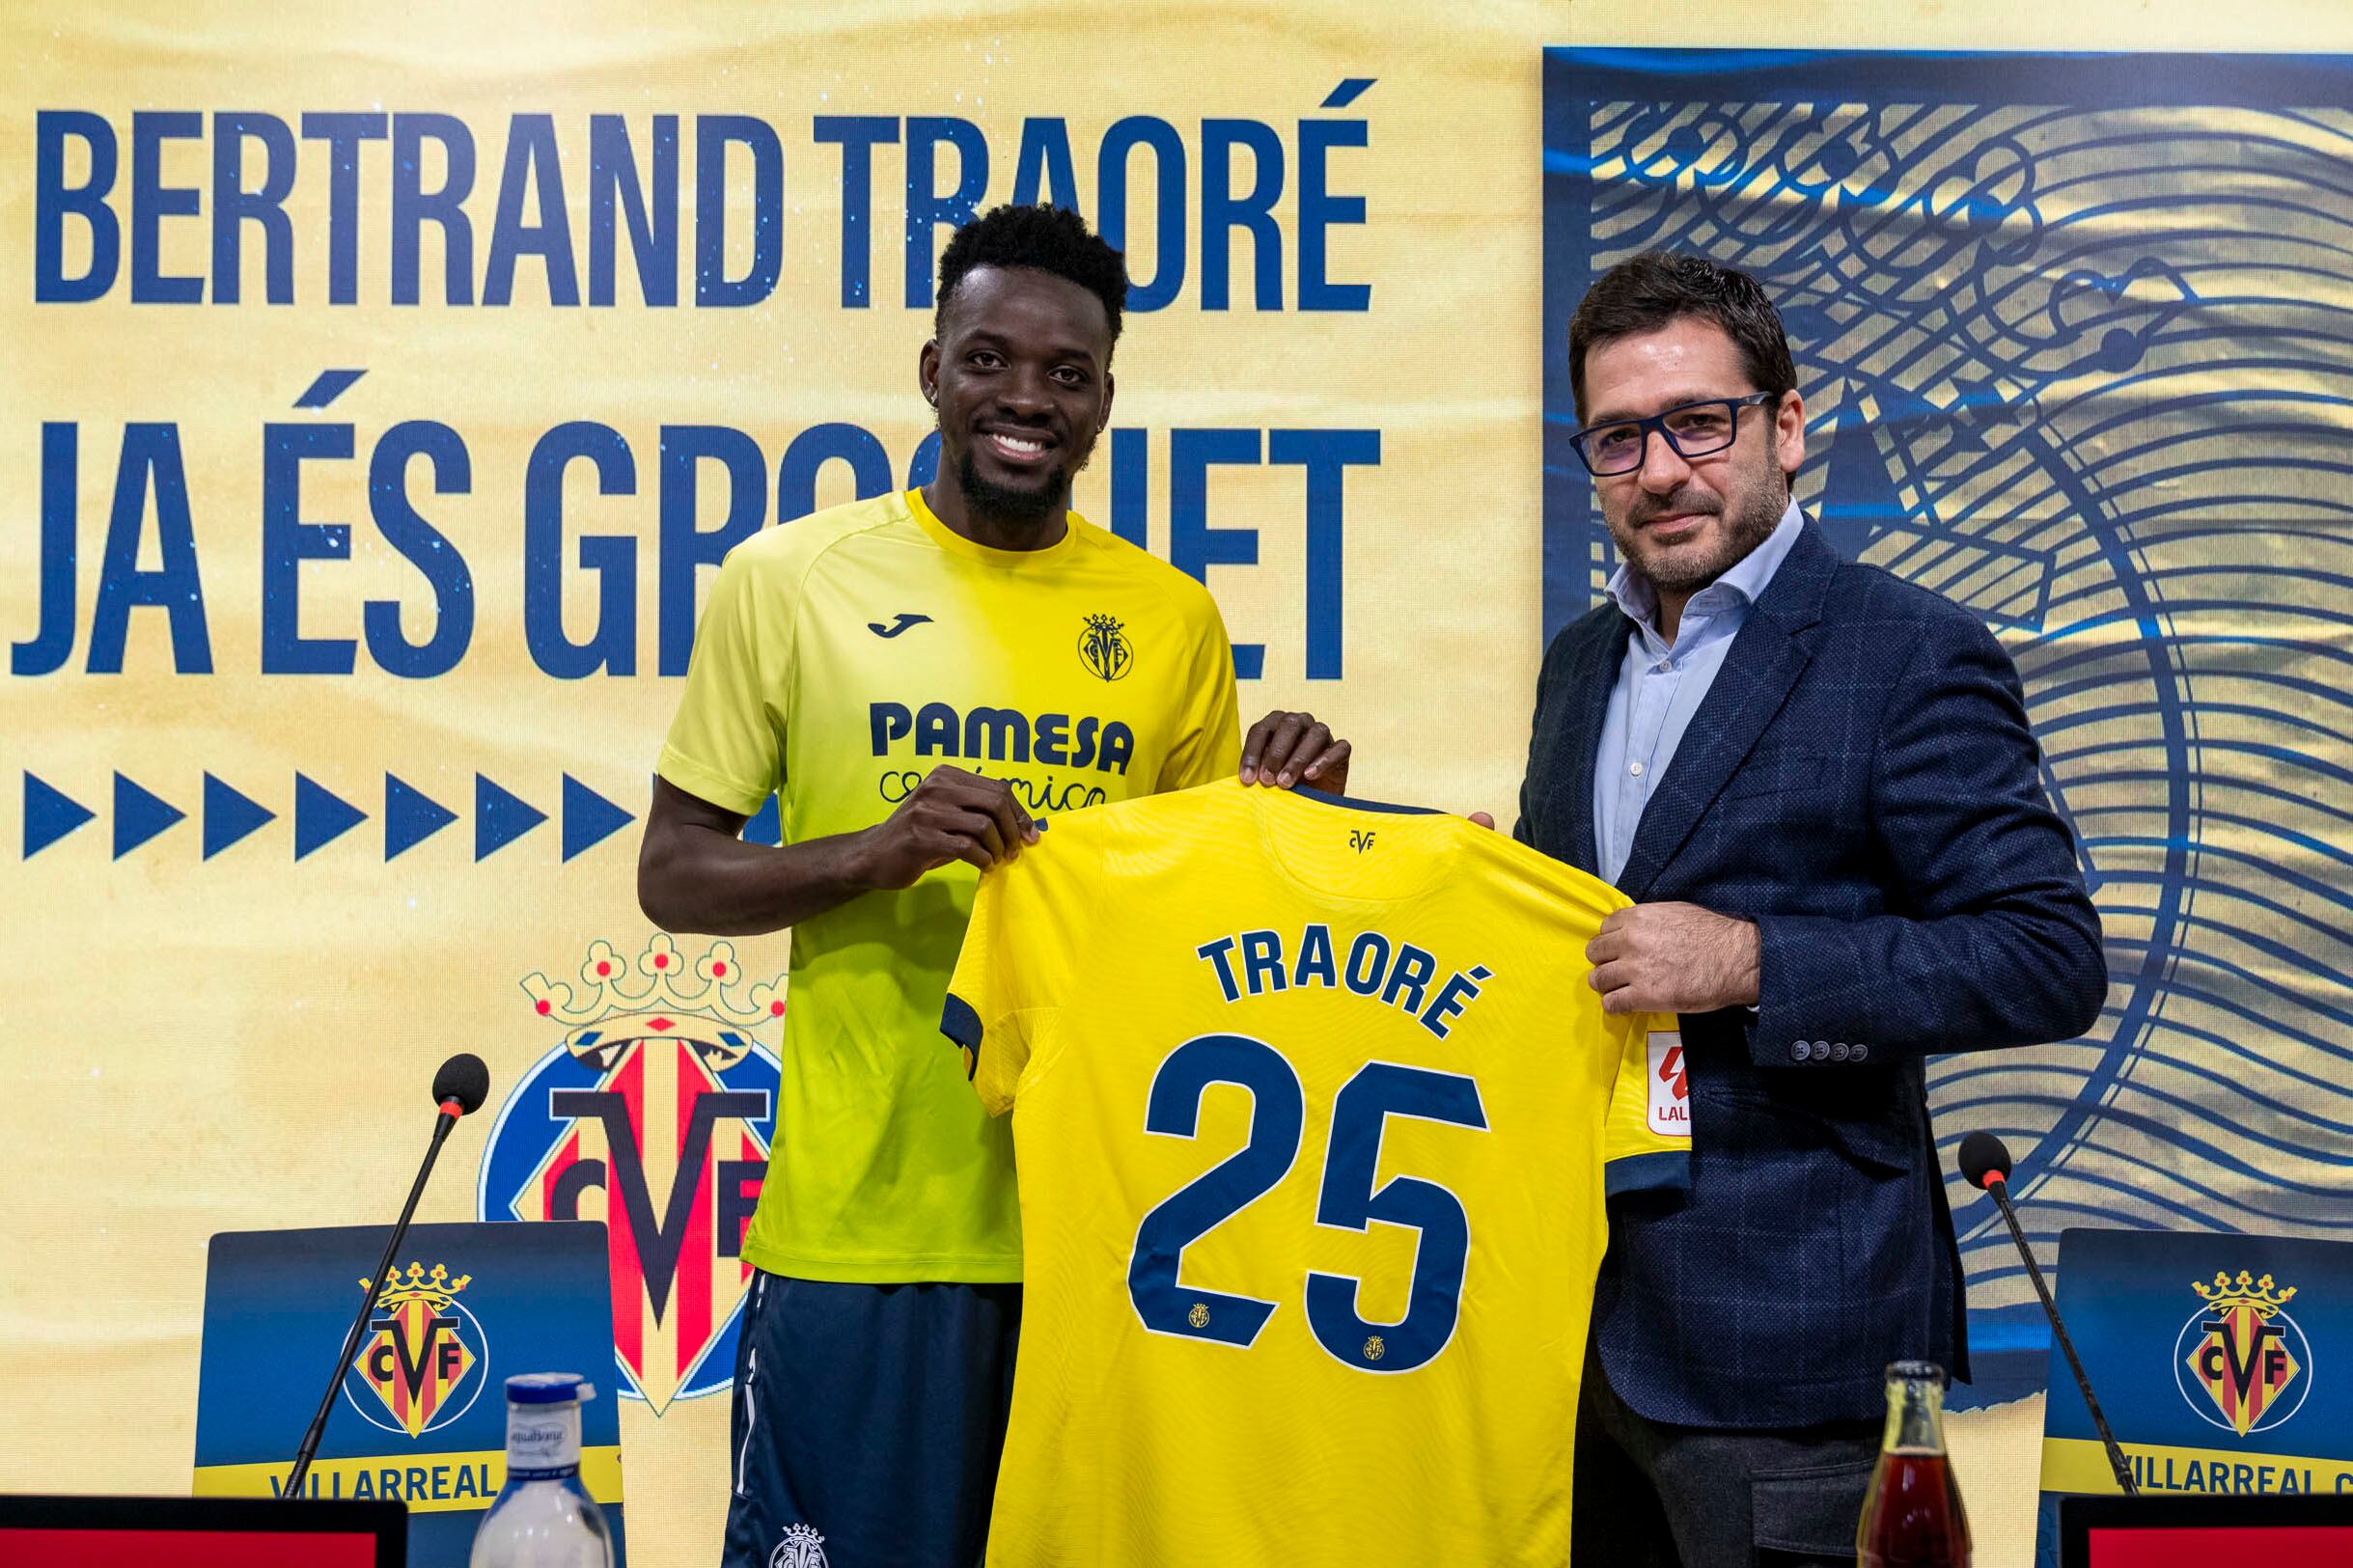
column 442, row 1123
column 1996, row 1185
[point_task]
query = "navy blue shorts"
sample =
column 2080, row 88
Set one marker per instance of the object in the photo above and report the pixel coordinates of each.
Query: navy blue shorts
column 868, row 1422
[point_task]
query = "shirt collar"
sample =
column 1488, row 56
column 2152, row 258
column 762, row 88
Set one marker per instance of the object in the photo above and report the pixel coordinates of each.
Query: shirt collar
column 1745, row 580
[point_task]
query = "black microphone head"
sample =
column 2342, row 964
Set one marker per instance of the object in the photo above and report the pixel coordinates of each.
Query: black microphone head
column 1983, row 1156
column 464, row 1079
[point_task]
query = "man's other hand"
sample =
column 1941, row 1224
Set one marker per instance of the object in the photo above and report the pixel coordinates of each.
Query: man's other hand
column 1287, row 749
column 1672, row 958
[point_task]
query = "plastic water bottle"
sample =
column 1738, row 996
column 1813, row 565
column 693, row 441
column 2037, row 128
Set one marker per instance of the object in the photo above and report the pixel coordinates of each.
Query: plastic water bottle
column 544, row 1517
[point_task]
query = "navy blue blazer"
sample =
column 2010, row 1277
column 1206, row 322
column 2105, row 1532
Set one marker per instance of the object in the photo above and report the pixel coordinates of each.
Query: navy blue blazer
column 1862, row 783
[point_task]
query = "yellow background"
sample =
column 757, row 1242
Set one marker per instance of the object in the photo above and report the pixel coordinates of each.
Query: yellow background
column 195, row 1047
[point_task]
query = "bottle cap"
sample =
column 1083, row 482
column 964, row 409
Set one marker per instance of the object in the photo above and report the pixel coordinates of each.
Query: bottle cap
column 1902, row 1372
column 548, row 1388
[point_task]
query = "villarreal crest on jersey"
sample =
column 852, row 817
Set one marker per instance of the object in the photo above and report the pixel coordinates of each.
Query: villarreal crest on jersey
column 1314, row 1119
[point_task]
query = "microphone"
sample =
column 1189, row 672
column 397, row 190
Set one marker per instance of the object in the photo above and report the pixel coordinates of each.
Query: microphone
column 459, row 1089
column 1984, row 1164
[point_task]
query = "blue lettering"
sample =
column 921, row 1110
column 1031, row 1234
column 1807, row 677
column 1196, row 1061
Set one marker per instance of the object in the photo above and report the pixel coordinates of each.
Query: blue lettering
column 1362, row 979
column 1457, row 993
column 686, row 549
column 1413, row 971
column 714, row 134
column 935, row 730
column 1319, row 210
column 1316, row 961
column 342, row 133
column 52, row 641
column 1215, row 952
column 870, row 467
column 1082, row 749
column 287, row 542
column 533, row 163
column 1043, row 170
column 1110, row 200
column 654, row 228
column 889, row 721
column 54, row 202
column 234, row 205
column 1222, row 213
column 1326, row 456
column 1053, row 730
column 423, row 546
column 152, row 201
column 927, row 208
column 1262, row 961
column 1119, row 747
column 413, row 207
column 612, row 646
column 858, row 136
column 1194, row 546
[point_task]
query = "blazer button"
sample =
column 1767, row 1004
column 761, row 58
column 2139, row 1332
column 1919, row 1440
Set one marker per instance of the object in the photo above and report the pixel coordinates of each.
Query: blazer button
column 1821, row 1049
column 1799, row 1051
column 1839, row 1051
column 1861, row 1051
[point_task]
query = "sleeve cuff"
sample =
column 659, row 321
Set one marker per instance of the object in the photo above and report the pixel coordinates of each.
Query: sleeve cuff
column 1663, row 1171
column 702, row 783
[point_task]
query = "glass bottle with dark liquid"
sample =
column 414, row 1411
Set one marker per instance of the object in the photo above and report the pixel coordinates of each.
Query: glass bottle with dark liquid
column 1913, row 1517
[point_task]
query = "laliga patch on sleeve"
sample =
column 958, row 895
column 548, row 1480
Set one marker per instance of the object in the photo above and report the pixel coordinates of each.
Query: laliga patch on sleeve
column 1670, row 1084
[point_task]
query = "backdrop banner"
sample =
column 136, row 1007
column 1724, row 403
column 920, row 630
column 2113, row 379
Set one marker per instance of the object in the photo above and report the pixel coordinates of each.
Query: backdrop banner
column 384, row 390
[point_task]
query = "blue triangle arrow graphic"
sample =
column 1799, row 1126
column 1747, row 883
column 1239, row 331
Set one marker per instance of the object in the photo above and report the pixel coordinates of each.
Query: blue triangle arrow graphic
column 589, row 818
column 320, row 816
column 228, row 815
column 410, row 816
column 139, row 816
column 49, row 815
column 767, row 825
column 499, row 818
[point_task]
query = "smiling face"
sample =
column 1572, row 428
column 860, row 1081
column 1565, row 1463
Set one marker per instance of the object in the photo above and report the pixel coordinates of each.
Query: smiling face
column 1683, row 522
column 1021, row 376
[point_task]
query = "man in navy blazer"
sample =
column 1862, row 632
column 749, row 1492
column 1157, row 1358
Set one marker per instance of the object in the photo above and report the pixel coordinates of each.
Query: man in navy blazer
column 1818, row 786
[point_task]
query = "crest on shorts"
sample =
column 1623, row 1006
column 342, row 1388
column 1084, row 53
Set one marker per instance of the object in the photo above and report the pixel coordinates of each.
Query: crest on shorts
column 802, row 1548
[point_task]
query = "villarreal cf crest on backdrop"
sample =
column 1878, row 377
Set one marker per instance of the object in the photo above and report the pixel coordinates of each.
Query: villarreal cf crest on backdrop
column 653, row 1113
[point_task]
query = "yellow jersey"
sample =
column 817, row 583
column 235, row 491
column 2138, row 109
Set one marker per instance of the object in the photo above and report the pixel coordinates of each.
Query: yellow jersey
column 839, row 659
column 1315, row 1115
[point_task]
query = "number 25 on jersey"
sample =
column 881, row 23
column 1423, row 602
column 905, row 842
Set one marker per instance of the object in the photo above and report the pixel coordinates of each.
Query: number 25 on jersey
column 1345, row 1199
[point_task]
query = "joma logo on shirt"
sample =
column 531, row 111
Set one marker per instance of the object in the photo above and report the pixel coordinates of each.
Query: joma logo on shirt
column 1004, row 736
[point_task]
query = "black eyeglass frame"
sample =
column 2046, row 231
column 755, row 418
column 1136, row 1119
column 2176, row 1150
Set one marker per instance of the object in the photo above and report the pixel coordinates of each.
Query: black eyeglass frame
column 1657, row 424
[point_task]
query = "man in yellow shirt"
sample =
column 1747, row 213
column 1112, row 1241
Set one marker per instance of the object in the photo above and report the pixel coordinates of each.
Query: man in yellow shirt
column 919, row 678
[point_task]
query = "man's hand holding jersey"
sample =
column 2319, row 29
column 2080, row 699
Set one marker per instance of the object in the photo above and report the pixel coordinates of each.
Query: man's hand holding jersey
column 1287, row 749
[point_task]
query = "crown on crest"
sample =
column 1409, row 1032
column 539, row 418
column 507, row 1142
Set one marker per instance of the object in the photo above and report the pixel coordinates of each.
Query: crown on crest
column 435, row 1289
column 2246, row 1290
column 606, row 991
column 657, row 994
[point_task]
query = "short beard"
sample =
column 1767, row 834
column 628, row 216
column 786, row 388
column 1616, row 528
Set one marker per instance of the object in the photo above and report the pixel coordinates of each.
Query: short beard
column 1004, row 503
column 1747, row 525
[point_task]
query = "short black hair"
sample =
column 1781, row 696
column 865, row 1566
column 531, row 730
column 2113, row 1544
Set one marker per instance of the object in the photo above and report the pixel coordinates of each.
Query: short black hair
column 1644, row 292
column 1049, row 238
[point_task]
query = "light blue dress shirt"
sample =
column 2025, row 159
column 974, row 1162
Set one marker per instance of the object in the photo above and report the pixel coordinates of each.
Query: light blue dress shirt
column 1662, row 683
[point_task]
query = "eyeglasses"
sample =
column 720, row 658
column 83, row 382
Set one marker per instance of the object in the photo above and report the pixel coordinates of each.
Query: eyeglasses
column 1692, row 430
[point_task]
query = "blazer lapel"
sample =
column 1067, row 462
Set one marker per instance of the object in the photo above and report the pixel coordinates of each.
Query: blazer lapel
column 1589, row 677
column 1760, row 668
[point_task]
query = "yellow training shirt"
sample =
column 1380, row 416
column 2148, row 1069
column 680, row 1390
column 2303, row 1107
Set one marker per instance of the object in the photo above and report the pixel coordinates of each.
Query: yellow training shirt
column 840, row 658
column 1315, row 1115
